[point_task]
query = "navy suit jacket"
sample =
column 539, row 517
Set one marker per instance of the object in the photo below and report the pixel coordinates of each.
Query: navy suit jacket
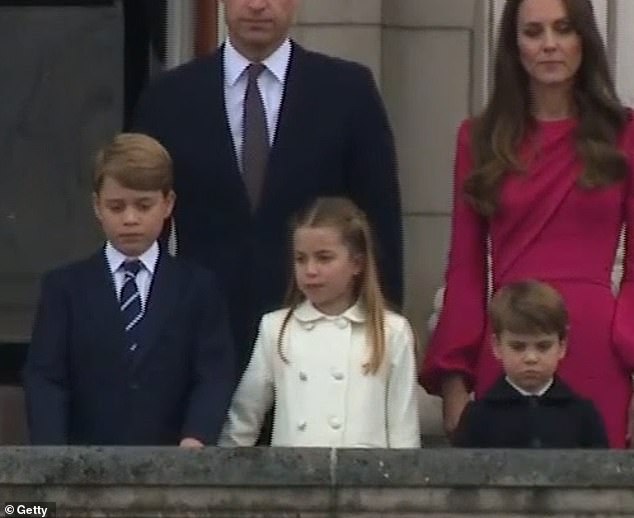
column 84, row 387
column 504, row 418
column 332, row 138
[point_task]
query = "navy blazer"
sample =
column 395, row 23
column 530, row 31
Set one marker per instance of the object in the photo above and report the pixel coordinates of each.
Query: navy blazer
column 83, row 387
column 504, row 418
column 332, row 138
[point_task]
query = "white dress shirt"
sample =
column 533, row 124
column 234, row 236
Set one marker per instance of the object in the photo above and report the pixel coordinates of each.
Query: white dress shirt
column 539, row 392
column 322, row 396
column 270, row 82
column 148, row 260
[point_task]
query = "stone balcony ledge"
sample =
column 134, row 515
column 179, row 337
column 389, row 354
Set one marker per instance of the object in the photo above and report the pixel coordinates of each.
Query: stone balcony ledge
column 319, row 483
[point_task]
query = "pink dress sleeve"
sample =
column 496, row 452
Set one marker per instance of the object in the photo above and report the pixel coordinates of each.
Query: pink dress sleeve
column 455, row 343
column 623, row 326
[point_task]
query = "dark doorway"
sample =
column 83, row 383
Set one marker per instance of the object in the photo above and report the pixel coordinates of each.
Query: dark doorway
column 145, row 29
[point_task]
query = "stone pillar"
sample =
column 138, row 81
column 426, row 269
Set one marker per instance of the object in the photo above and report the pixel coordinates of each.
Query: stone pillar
column 62, row 98
column 349, row 29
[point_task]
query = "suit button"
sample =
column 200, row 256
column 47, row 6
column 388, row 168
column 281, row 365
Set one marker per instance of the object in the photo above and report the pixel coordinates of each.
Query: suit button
column 302, row 376
column 338, row 375
column 335, row 424
column 301, row 426
column 134, row 386
column 341, row 323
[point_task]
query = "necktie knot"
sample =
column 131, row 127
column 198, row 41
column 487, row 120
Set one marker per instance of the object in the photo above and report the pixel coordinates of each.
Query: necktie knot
column 132, row 267
column 254, row 70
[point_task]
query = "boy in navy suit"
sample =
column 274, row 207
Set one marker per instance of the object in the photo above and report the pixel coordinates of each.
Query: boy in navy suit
column 130, row 346
column 530, row 406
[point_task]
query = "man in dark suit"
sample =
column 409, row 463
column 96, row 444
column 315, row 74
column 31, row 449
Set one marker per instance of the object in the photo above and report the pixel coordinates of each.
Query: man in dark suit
column 252, row 144
column 130, row 346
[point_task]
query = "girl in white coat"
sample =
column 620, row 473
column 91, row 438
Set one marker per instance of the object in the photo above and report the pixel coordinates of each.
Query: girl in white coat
column 339, row 366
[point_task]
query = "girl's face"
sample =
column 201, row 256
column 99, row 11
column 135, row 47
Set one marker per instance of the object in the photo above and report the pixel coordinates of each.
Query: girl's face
column 325, row 270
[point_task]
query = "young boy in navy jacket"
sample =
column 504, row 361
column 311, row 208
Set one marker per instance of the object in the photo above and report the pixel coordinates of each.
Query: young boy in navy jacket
column 130, row 346
column 530, row 406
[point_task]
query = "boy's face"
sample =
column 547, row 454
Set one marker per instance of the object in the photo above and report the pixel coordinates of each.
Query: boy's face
column 132, row 220
column 529, row 360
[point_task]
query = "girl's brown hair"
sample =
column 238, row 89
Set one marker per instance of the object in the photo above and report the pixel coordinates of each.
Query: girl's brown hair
column 506, row 120
column 344, row 216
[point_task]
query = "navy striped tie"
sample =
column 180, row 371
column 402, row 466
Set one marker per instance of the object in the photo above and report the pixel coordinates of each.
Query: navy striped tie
column 130, row 300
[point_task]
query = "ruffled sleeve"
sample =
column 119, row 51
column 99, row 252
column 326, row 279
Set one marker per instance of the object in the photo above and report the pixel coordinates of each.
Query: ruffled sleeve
column 455, row 342
column 623, row 327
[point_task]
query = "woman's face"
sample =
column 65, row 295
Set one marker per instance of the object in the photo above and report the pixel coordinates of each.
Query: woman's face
column 549, row 47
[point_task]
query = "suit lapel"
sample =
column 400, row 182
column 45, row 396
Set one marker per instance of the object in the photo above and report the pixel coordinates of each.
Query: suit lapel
column 216, row 95
column 291, row 99
column 291, row 121
column 221, row 139
column 161, row 297
column 104, row 305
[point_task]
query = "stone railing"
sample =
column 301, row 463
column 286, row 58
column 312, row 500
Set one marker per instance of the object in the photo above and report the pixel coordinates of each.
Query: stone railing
column 319, row 483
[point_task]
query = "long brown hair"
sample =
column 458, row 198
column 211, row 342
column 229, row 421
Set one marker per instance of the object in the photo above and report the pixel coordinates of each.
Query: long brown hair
column 498, row 131
column 344, row 216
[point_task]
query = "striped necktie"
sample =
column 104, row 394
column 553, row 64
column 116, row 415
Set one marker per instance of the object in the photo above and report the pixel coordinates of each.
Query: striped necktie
column 130, row 300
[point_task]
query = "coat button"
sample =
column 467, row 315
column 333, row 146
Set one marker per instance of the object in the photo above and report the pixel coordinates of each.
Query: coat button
column 301, row 426
column 309, row 326
column 133, row 347
column 302, row 376
column 134, row 386
column 341, row 323
column 338, row 375
column 335, row 424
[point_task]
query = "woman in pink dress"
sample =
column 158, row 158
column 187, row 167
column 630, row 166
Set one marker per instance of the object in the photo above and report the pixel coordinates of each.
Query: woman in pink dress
column 543, row 175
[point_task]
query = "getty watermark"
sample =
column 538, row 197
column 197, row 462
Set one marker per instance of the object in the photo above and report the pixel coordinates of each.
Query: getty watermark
column 39, row 509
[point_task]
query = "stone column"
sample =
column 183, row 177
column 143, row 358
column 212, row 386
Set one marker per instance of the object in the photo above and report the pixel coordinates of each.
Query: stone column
column 350, row 29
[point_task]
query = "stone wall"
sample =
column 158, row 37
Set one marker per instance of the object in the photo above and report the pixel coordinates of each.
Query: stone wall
column 320, row 483
column 61, row 92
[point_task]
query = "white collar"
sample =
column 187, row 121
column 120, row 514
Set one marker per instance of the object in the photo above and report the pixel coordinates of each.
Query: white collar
column 539, row 392
column 306, row 312
column 235, row 63
column 148, row 258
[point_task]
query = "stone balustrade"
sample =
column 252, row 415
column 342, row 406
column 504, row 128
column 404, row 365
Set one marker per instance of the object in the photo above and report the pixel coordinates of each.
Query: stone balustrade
column 319, row 483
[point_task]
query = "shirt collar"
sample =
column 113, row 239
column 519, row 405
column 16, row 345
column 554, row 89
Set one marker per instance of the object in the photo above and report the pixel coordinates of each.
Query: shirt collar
column 539, row 392
column 235, row 63
column 148, row 258
column 306, row 312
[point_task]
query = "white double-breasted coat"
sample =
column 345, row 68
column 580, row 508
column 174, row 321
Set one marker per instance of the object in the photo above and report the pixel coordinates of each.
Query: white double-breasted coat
column 322, row 396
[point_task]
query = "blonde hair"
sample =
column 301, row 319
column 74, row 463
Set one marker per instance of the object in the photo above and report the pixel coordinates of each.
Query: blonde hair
column 135, row 161
column 343, row 215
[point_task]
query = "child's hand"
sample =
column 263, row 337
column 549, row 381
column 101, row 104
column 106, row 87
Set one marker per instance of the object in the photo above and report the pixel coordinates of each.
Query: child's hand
column 190, row 442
